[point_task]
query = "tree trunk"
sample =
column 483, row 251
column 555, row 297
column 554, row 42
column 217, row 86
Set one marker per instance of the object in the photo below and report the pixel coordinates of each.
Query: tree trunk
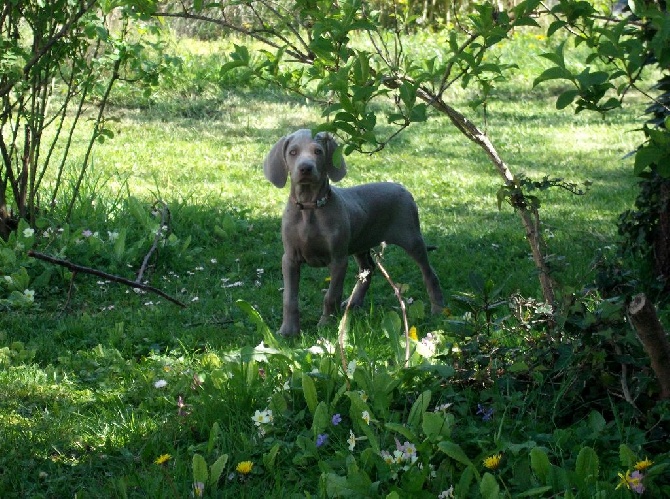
column 654, row 340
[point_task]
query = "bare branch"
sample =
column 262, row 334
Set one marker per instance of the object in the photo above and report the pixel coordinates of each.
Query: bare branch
column 87, row 270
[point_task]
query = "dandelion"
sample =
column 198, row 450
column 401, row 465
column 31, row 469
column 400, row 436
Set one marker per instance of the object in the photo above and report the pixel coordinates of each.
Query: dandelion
column 198, row 489
column 244, row 467
column 28, row 232
column 492, row 462
column 321, row 439
column 643, row 465
column 161, row 383
column 366, row 417
column 412, row 334
column 162, row 459
column 336, row 419
column 351, row 440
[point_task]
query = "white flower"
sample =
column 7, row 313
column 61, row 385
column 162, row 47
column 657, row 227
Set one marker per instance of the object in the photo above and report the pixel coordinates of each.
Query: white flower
column 366, row 417
column 447, row 494
column 262, row 417
column 28, row 232
column 351, row 440
column 161, row 383
column 112, row 236
column 29, row 294
column 351, row 367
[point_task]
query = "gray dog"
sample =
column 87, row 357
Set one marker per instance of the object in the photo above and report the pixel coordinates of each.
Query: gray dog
column 322, row 225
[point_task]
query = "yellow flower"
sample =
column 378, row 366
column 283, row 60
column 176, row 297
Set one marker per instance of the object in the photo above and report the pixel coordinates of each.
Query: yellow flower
column 492, row 462
column 643, row 465
column 162, row 459
column 244, row 467
column 412, row 334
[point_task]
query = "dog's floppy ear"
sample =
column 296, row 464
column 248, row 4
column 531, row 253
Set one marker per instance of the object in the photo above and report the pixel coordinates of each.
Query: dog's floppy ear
column 336, row 168
column 274, row 166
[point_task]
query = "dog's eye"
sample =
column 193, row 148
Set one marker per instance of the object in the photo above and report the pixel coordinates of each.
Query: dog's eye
column 292, row 152
column 318, row 151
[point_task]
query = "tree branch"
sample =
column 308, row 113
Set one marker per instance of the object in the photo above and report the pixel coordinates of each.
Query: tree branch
column 87, row 270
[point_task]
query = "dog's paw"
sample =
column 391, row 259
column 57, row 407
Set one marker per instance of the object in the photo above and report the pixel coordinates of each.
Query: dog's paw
column 325, row 320
column 287, row 331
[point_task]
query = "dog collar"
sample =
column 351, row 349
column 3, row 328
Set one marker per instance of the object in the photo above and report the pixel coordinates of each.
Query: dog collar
column 319, row 203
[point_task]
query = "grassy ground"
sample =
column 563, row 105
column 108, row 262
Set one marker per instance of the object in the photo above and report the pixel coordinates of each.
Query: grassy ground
column 82, row 413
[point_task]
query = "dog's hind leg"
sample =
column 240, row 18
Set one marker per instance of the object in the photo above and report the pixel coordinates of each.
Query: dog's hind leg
column 417, row 250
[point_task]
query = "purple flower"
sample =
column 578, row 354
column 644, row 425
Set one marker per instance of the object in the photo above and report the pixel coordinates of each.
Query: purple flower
column 486, row 414
column 337, row 419
column 321, row 439
column 636, row 482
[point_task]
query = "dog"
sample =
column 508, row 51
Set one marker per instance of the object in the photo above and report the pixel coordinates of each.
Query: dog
column 323, row 225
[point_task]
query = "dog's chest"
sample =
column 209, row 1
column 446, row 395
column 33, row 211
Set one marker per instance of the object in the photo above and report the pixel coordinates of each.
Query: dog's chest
column 311, row 241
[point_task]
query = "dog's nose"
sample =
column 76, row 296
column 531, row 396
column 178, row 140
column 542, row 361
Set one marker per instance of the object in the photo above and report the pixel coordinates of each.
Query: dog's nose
column 305, row 168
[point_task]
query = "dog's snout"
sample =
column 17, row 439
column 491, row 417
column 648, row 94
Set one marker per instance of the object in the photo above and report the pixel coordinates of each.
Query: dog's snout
column 306, row 167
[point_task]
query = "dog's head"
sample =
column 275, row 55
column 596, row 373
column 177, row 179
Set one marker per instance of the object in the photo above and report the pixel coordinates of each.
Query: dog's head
column 305, row 157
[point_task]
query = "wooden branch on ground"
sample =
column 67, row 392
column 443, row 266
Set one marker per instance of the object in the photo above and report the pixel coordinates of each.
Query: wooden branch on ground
column 87, row 270
column 654, row 339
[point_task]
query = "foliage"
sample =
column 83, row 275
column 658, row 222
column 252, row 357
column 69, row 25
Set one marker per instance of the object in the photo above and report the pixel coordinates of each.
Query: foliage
column 58, row 59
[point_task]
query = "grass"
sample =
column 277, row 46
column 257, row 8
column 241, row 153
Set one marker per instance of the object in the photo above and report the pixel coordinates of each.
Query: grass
column 82, row 413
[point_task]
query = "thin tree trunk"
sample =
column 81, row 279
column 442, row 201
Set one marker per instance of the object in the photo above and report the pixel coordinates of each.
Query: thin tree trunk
column 654, row 340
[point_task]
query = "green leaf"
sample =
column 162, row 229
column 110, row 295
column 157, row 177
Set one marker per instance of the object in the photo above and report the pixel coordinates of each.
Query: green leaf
column 557, row 57
column 645, row 156
column 537, row 491
column 255, row 317
column 321, row 419
column 554, row 73
column 417, row 410
column 309, row 390
column 566, row 98
column 403, row 430
column 626, row 456
column 270, row 457
column 200, row 473
column 587, row 465
column 539, row 463
column 454, row 451
column 216, row 470
column 213, row 436
column 489, row 487
column 437, row 426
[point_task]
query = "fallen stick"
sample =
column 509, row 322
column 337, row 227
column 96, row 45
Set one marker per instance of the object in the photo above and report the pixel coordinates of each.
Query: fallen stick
column 87, row 270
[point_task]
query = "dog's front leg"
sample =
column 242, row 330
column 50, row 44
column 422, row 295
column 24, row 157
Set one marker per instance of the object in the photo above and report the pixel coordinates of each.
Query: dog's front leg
column 291, row 315
column 338, row 270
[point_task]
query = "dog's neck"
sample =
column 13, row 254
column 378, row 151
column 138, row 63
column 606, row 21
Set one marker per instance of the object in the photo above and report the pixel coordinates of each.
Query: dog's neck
column 305, row 197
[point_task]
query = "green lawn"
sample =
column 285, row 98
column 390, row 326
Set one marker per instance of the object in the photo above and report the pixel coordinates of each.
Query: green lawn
column 81, row 413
